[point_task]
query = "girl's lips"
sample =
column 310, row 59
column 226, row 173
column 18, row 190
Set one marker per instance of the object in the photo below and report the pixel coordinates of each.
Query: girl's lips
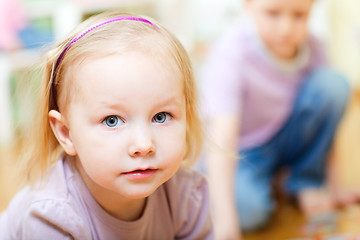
column 140, row 174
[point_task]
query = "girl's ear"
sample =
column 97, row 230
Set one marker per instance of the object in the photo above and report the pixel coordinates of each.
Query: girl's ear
column 61, row 132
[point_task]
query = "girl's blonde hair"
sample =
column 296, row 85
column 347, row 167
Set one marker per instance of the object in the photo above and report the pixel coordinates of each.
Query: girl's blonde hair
column 43, row 148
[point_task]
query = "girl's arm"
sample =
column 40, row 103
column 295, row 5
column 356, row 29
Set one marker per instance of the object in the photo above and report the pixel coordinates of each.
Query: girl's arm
column 221, row 170
column 31, row 216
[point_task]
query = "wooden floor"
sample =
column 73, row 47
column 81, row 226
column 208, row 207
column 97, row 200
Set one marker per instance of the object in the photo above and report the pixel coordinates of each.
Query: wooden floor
column 287, row 222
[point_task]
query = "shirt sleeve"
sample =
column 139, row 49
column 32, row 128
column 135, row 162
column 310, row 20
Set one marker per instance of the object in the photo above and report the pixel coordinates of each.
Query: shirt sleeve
column 192, row 208
column 41, row 219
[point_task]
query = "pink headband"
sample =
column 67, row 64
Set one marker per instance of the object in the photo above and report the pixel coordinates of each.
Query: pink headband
column 79, row 36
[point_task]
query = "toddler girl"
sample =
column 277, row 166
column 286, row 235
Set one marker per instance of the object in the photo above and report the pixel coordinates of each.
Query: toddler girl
column 118, row 103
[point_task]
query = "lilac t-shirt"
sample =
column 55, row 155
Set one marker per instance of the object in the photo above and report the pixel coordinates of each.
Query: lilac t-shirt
column 241, row 77
column 64, row 209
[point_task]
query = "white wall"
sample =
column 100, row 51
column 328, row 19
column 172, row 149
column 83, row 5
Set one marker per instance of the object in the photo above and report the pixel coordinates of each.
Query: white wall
column 345, row 37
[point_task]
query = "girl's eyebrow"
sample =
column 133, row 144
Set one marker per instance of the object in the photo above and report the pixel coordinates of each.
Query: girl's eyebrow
column 173, row 100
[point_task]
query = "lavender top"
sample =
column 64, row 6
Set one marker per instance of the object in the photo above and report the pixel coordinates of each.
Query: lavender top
column 64, row 209
column 242, row 77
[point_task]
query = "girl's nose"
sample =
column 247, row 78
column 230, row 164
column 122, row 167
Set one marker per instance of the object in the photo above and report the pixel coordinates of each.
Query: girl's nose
column 142, row 143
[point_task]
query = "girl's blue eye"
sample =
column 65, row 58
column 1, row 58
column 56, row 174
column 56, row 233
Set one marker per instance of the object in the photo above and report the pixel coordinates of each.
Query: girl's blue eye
column 161, row 117
column 112, row 121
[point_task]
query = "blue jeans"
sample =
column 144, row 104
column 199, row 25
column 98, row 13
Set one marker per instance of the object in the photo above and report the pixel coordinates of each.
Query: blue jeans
column 302, row 145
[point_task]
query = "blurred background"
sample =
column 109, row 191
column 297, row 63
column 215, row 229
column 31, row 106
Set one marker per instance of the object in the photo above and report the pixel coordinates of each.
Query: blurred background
column 29, row 27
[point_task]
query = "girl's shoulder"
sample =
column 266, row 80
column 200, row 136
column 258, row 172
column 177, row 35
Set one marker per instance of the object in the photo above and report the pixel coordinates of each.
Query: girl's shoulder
column 188, row 197
column 44, row 210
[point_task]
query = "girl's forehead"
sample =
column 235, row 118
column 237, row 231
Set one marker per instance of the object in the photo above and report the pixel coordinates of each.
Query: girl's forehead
column 129, row 63
column 133, row 78
column 162, row 52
